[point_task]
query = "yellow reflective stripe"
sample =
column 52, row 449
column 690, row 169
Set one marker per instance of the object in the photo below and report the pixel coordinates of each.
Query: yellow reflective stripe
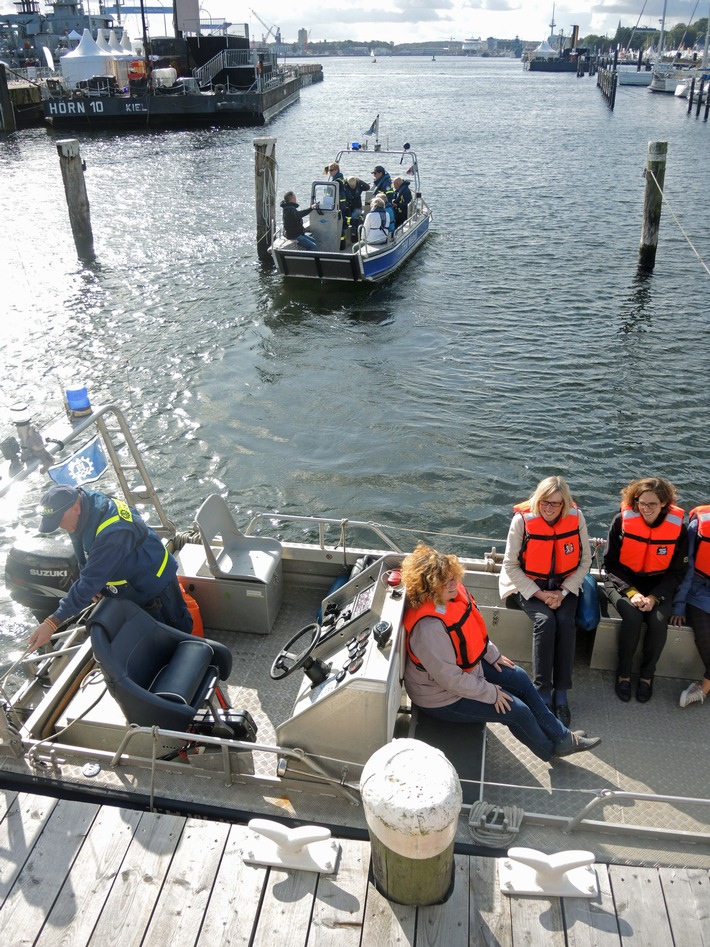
column 118, row 582
column 108, row 522
column 164, row 563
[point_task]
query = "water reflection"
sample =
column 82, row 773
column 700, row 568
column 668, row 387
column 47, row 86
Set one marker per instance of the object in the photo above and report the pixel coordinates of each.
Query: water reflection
column 635, row 313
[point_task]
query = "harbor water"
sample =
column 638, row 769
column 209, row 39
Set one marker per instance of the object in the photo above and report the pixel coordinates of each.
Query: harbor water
column 518, row 342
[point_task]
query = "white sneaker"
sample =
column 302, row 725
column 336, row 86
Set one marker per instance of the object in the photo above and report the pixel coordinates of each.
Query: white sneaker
column 691, row 694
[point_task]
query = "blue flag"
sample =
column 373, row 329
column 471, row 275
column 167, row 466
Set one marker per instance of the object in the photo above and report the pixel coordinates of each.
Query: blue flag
column 374, row 129
column 84, row 466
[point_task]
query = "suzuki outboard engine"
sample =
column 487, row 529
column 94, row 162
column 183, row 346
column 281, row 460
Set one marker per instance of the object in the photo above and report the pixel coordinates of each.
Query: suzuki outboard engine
column 39, row 571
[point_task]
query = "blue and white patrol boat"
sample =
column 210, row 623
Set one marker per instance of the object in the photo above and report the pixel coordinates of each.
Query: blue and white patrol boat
column 358, row 261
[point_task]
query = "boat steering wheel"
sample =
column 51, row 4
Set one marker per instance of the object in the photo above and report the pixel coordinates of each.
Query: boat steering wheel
column 288, row 661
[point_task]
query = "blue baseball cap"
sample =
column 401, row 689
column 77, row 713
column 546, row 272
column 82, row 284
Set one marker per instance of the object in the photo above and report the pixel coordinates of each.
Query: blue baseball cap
column 54, row 504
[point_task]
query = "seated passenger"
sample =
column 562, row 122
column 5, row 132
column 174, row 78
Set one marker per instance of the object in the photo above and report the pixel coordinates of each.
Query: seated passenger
column 547, row 556
column 376, row 222
column 646, row 560
column 401, row 199
column 691, row 604
column 453, row 672
column 383, row 182
column 293, row 222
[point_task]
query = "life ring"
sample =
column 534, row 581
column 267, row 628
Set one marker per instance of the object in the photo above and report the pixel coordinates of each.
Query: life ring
column 220, row 89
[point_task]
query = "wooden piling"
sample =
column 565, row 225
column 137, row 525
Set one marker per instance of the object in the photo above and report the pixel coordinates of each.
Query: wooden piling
column 691, row 95
column 700, row 96
column 265, row 189
column 77, row 199
column 652, row 203
column 8, row 122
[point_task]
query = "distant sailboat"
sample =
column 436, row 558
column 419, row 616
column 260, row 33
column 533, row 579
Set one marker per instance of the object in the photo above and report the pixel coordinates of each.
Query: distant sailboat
column 373, row 58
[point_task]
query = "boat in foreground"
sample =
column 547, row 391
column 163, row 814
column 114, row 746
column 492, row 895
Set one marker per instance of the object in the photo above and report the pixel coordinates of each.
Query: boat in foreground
column 341, row 259
column 307, row 611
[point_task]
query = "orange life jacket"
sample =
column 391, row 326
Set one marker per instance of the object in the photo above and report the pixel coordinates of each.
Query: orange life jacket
column 549, row 549
column 649, row 550
column 464, row 625
column 702, row 546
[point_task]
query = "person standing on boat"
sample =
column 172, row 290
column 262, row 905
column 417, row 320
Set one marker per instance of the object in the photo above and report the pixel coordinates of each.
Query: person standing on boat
column 382, row 183
column 453, row 672
column 353, row 189
column 115, row 549
column 547, row 556
column 401, row 199
column 691, row 604
column 376, row 224
column 646, row 560
column 293, row 222
column 335, row 174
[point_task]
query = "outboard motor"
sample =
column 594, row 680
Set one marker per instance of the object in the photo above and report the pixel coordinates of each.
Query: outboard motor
column 39, row 571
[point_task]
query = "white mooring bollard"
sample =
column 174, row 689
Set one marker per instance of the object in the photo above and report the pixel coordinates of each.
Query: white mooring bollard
column 412, row 799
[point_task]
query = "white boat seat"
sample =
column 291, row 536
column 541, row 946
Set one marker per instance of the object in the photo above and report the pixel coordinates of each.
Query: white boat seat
column 242, row 557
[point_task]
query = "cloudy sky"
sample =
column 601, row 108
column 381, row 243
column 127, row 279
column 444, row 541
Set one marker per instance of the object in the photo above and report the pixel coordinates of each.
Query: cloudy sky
column 422, row 20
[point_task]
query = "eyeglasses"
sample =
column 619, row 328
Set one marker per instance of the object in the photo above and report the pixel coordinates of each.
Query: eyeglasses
column 332, row 169
column 648, row 506
column 551, row 504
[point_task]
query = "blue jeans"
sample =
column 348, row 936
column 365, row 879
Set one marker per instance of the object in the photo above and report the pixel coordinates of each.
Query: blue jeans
column 306, row 241
column 529, row 718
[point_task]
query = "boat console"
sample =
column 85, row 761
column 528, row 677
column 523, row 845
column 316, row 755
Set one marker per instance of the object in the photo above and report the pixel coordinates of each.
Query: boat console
column 351, row 711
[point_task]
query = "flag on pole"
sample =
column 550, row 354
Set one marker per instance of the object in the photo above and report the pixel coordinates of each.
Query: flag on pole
column 374, row 129
column 84, row 466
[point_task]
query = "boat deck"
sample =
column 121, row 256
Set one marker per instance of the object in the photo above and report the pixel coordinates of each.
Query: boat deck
column 654, row 748
column 82, row 874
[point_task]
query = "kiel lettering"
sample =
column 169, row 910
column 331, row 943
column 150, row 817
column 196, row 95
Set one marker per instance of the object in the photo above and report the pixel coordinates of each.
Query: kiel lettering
column 135, row 107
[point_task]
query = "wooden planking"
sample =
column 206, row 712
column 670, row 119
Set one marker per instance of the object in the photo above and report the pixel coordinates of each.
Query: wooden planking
column 287, row 906
column 387, row 924
column 72, row 878
column 537, row 922
column 591, row 922
column 489, row 908
column 687, row 895
column 7, row 798
column 638, row 899
column 19, row 830
column 136, row 889
column 447, row 923
column 45, row 872
column 187, row 887
column 236, row 896
column 339, row 907
column 81, row 900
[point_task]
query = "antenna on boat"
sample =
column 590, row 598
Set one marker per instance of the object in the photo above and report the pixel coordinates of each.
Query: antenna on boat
column 405, row 149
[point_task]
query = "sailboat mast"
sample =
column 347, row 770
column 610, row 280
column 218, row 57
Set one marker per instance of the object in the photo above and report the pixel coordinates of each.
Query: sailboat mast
column 663, row 32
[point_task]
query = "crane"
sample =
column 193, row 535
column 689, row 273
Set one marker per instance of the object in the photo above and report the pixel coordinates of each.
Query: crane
column 269, row 29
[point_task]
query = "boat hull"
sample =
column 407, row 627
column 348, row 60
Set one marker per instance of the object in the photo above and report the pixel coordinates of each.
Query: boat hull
column 372, row 265
column 206, row 108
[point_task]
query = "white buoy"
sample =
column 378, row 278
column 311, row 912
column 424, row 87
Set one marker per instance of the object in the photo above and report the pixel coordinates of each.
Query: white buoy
column 412, row 799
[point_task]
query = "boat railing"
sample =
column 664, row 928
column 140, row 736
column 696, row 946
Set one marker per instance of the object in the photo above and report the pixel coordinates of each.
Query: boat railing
column 323, row 526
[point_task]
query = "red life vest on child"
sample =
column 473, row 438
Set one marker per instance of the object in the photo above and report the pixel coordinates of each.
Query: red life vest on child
column 702, row 546
column 549, row 549
column 649, row 550
column 464, row 625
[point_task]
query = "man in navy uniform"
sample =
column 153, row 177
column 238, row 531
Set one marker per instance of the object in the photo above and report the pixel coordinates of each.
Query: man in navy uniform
column 115, row 549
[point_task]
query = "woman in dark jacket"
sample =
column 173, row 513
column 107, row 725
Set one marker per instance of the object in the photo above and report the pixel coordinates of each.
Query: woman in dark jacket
column 645, row 562
column 293, row 221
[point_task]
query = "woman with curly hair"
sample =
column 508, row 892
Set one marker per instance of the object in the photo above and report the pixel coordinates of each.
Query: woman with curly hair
column 645, row 561
column 455, row 673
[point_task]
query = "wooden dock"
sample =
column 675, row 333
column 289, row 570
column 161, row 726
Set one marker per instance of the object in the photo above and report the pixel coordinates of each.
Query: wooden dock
column 75, row 874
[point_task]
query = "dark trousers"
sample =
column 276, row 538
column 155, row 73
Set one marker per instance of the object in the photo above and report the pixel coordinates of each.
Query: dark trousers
column 699, row 621
column 169, row 607
column 632, row 624
column 554, row 637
